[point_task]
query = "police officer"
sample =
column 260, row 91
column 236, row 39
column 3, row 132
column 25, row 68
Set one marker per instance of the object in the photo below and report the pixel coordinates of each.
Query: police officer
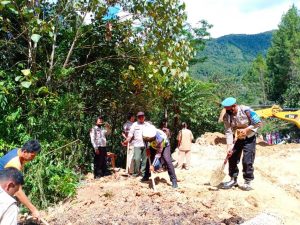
column 241, row 124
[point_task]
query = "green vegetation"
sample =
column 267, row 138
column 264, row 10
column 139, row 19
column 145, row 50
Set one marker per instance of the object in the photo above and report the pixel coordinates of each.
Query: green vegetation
column 283, row 61
column 58, row 72
column 230, row 55
column 260, row 69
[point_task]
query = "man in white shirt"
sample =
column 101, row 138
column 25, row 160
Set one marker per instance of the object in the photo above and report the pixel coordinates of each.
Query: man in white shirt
column 136, row 133
column 11, row 180
column 98, row 135
column 130, row 147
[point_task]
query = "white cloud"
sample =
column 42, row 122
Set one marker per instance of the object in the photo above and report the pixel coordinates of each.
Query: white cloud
column 238, row 16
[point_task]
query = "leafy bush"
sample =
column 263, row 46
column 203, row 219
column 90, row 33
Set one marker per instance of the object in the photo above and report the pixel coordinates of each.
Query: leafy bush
column 48, row 181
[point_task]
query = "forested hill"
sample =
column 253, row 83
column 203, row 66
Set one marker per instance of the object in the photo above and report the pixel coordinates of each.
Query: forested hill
column 231, row 54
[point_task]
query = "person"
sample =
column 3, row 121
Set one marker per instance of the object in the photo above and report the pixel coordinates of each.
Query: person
column 185, row 138
column 241, row 124
column 164, row 127
column 158, row 142
column 11, row 180
column 129, row 147
column 139, row 154
column 17, row 158
column 98, row 135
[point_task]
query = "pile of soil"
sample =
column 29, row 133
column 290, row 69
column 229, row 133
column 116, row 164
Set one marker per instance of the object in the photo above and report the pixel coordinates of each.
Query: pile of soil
column 211, row 139
column 118, row 199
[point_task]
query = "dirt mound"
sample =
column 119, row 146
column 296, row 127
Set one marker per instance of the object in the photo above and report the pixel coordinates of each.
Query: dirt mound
column 125, row 200
column 208, row 138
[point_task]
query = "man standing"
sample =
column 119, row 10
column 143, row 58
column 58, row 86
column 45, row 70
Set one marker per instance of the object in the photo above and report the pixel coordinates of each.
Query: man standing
column 98, row 138
column 129, row 147
column 185, row 138
column 136, row 133
column 11, row 180
column 241, row 124
column 17, row 158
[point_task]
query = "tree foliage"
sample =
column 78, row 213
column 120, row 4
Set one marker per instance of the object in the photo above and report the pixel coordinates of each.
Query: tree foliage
column 283, row 60
column 64, row 62
column 255, row 81
column 230, row 55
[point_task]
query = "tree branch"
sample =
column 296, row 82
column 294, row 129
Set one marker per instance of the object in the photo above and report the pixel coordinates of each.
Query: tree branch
column 74, row 41
column 106, row 58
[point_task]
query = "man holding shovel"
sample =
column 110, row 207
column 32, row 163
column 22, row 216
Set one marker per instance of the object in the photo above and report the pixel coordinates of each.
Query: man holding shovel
column 129, row 147
column 139, row 154
column 158, row 141
column 241, row 124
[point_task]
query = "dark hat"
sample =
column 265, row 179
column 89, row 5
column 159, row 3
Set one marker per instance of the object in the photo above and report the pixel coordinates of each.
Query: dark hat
column 140, row 114
column 101, row 117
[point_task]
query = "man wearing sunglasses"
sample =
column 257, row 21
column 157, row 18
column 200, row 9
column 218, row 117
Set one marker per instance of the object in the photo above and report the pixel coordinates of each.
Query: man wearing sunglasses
column 241, row 124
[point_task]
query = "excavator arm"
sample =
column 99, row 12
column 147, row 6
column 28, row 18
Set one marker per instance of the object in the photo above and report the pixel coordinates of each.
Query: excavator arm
column 277, row 112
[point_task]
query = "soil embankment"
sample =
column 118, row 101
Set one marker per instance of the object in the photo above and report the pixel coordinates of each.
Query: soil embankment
column 124, row 200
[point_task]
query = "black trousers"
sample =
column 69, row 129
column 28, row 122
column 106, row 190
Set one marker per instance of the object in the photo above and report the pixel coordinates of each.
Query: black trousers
column 166, row 156
column 247, row 147
column 100, row 162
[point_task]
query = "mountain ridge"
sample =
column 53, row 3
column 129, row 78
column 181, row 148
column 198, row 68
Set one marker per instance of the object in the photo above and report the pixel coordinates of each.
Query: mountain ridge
column 230, row 55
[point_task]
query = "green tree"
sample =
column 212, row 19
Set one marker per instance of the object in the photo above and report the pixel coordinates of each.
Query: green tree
column 58, row 71
column 283, row 55
column 292, row 95
column 255, row 81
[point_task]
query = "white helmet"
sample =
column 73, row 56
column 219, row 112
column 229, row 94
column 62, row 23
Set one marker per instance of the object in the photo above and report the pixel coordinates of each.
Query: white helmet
column 149, row 131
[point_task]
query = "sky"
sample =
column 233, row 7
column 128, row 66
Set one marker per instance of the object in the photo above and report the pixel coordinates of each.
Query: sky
column 238, row 16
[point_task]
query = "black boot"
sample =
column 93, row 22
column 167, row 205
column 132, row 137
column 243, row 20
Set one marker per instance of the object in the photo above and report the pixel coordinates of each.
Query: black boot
column 174, row 184
column 231, row 183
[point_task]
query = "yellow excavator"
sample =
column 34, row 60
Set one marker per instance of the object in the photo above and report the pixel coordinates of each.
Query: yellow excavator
column 290, row 115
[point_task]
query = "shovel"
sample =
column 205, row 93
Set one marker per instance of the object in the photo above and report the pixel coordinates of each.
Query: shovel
column 152, row 178
column 218, row 174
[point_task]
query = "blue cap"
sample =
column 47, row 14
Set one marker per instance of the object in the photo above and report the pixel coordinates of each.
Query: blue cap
column 228, row 102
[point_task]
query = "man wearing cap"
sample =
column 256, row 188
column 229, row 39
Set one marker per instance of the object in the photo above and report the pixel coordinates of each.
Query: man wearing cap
column 241, row 124
column 158, row 142
column 98, row 135
column 136, row 135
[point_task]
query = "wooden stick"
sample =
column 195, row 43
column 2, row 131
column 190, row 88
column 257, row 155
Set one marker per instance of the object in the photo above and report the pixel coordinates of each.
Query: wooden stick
column 127, row 164
column 152, row 178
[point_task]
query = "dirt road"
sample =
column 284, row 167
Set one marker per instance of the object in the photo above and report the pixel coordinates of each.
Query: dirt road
column 122, row 200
